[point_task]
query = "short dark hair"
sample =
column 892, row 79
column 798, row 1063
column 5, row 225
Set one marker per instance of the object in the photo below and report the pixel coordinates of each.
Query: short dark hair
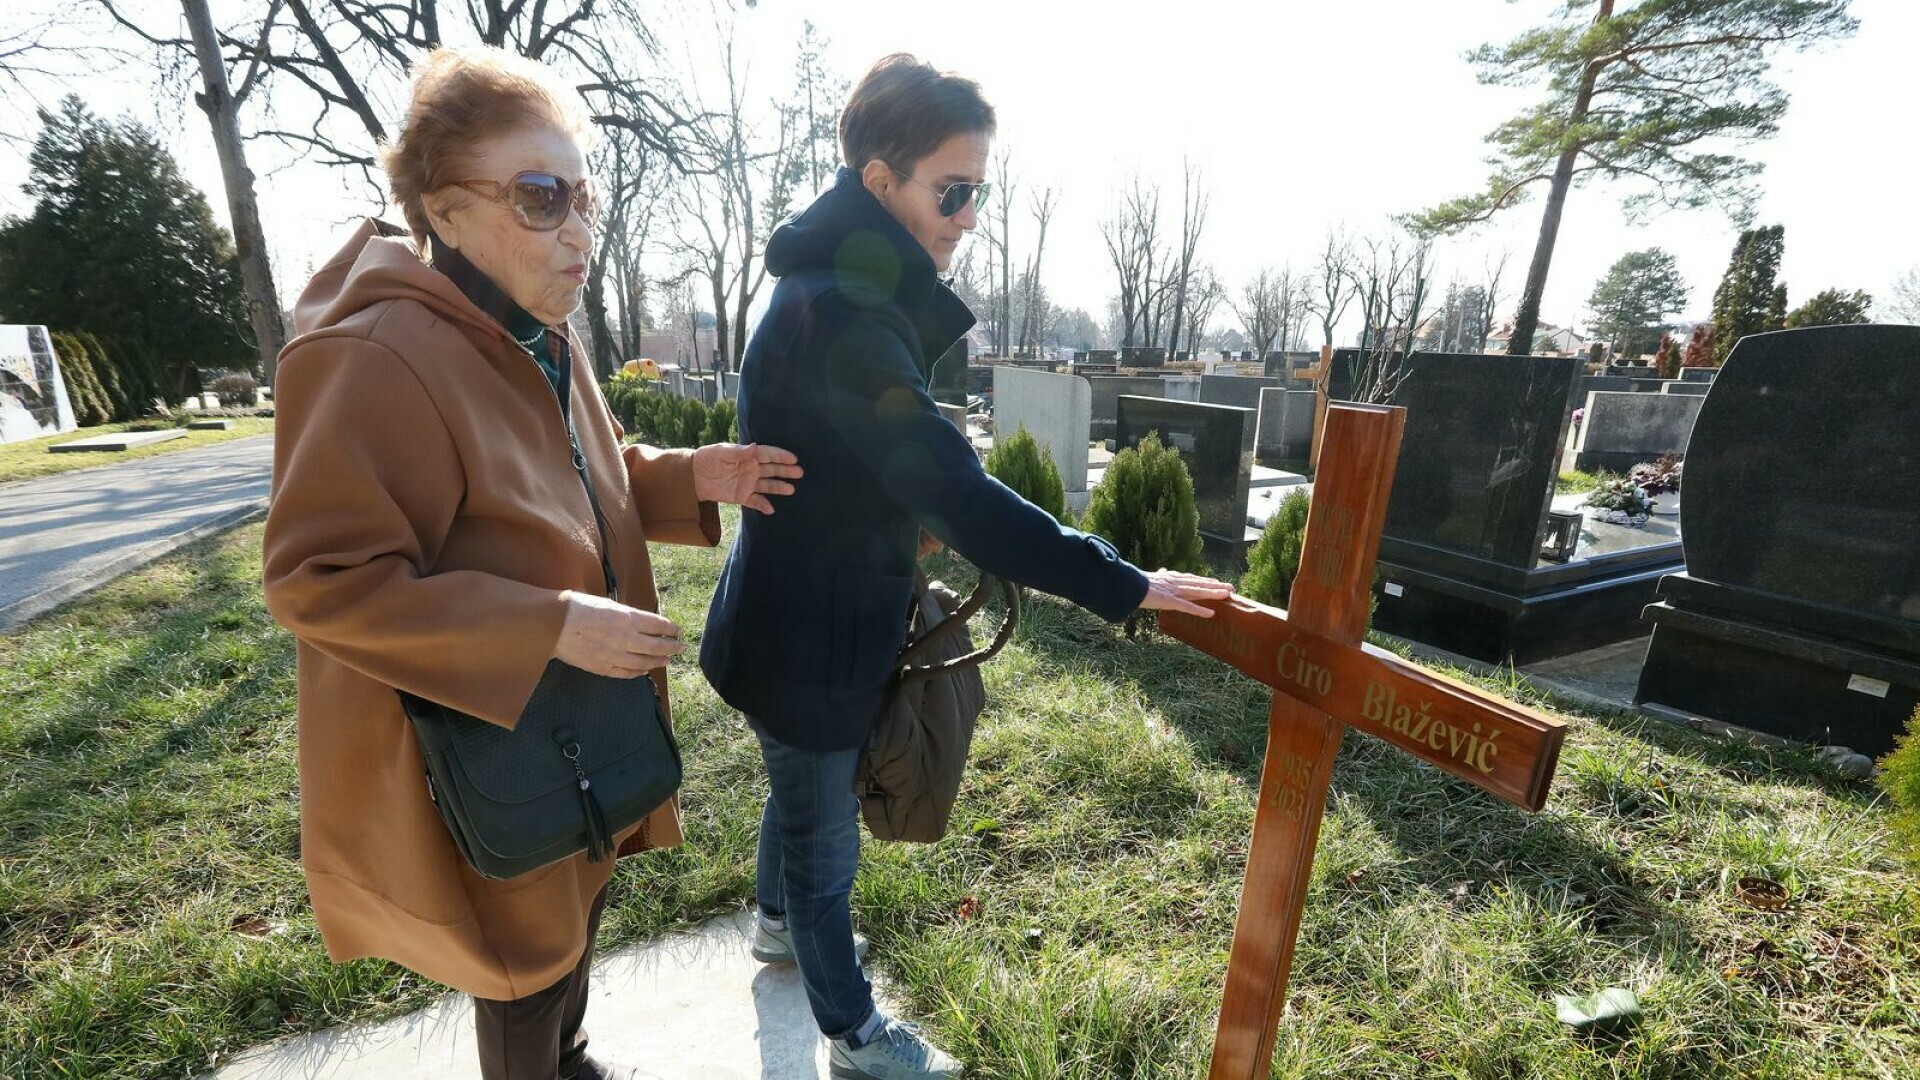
column 905, row 108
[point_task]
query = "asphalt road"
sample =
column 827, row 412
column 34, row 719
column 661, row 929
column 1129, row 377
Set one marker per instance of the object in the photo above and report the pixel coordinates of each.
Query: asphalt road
column 61, row 536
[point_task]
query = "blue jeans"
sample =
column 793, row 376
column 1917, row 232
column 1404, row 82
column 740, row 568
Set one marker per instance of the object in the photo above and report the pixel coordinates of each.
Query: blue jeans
column 809, row 849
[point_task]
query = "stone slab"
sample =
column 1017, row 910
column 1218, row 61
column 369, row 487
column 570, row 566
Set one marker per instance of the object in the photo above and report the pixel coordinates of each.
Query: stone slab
column 1621, row 430
column 210, row 425
column 1239, row 391
column 125, row 440
column 1285, row 424
column 691, row 1006
column 1057, row 410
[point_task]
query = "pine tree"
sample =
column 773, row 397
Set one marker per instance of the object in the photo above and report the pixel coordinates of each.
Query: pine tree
column 1777, row 308
column 1831, row 307
column 120, row 244
column 1746, row 292
column 1647, row 96
column 1638, row 291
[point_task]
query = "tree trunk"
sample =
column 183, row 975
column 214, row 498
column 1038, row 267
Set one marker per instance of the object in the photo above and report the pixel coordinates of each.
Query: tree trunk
column 263, row 304
column 1527, row 319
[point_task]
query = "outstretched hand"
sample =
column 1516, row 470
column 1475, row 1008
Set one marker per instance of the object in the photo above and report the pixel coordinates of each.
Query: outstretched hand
column 1172, row 590
column 746, row 475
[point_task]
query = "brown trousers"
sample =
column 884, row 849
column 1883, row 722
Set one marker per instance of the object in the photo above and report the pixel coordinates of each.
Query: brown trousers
column 539, row 1037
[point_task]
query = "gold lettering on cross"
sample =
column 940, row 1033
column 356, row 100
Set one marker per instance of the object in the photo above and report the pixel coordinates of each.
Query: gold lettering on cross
column 1328, row 560
column 1474, row 747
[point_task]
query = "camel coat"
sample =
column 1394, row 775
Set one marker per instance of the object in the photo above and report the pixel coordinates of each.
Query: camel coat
column 425, row 519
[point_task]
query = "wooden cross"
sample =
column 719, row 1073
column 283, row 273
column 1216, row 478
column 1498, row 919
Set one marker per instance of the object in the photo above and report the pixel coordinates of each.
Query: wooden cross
column 1326, row 678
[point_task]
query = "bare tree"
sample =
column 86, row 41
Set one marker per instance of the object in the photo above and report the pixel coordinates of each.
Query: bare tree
column 632, row 192
column 46, row 51
column 998, row 227
column 1203, row 299
column 1334, row 292
column 1391, row 281
column 326, row 69
column 1033, row 296
column 1905, row 302
column 1262, row 306
column 728, row 207
column 1193, row 220
column 818, row 96
column 1132, row 236
column 1490, row 293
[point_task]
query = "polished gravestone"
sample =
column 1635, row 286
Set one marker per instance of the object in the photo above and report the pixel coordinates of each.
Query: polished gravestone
column 1620, row 431
column 1107, row 390
column 1139, row 356
column 1799, row 613
column 1216, row 442
column 1460, row 562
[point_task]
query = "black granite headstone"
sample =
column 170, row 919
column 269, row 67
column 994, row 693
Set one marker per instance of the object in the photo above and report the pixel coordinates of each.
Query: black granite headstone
column 1143, row 356
column 1216, row 442
column 1799, row 613
column 1460, row 554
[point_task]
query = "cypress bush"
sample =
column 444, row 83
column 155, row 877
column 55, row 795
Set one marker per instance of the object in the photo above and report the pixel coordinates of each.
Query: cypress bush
column 120, row 401
column 1024, row 465
column 691, row 421
column 1144, row 505
column 1899, row 777
column 1275, row 559
column 89, row 399
column 720, row 424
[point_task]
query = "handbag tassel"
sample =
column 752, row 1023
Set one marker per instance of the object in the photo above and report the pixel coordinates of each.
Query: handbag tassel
column 599, row 844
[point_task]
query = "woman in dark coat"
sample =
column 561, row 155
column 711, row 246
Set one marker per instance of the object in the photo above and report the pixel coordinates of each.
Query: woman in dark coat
column 810, row 613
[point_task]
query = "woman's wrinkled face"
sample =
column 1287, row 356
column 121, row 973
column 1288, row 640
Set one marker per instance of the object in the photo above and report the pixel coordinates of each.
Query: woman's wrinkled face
column 543, row 272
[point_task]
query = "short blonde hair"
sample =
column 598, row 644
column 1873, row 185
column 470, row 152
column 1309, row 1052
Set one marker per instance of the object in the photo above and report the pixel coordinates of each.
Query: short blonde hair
column 461, row 96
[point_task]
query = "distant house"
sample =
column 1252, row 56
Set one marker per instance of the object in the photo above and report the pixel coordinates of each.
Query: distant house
column 1556, row 339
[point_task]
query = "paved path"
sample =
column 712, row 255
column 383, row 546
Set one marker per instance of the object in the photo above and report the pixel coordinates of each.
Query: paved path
column 63, row 535
column 686, row 1007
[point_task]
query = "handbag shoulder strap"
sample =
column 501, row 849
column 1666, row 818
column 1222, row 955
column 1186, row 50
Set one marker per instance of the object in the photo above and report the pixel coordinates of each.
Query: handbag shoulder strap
column 911, row 670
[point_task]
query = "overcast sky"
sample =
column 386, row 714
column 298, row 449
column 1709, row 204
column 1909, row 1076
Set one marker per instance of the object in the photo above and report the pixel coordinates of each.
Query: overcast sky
column 1303, row 118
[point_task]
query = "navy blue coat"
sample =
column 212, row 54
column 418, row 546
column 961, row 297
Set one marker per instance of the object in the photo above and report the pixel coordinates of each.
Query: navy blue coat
column 810, row 613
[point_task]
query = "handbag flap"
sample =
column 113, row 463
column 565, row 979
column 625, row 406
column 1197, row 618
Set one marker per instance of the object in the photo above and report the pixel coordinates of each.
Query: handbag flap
column 609, row 719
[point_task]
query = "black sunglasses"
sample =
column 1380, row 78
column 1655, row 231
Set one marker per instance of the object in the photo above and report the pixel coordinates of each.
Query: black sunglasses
column 954, row 197
column 539, row 200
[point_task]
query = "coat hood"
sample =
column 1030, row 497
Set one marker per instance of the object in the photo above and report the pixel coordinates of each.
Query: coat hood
column 848, row 236
column 379, row 263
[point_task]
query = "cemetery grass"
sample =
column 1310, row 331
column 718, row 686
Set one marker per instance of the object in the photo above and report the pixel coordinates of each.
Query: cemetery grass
column 29, row 459
column 1074, row 924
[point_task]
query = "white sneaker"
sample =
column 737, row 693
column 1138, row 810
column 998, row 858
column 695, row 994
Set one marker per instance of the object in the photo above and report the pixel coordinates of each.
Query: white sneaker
column 776, row 946
column 896, row 1052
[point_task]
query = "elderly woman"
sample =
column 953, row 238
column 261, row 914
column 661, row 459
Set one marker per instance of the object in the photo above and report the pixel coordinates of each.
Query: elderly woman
column 429, row 533
column 806, row 626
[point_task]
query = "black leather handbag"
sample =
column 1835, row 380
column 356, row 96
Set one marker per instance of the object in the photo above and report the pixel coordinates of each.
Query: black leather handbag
column 590, row 757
